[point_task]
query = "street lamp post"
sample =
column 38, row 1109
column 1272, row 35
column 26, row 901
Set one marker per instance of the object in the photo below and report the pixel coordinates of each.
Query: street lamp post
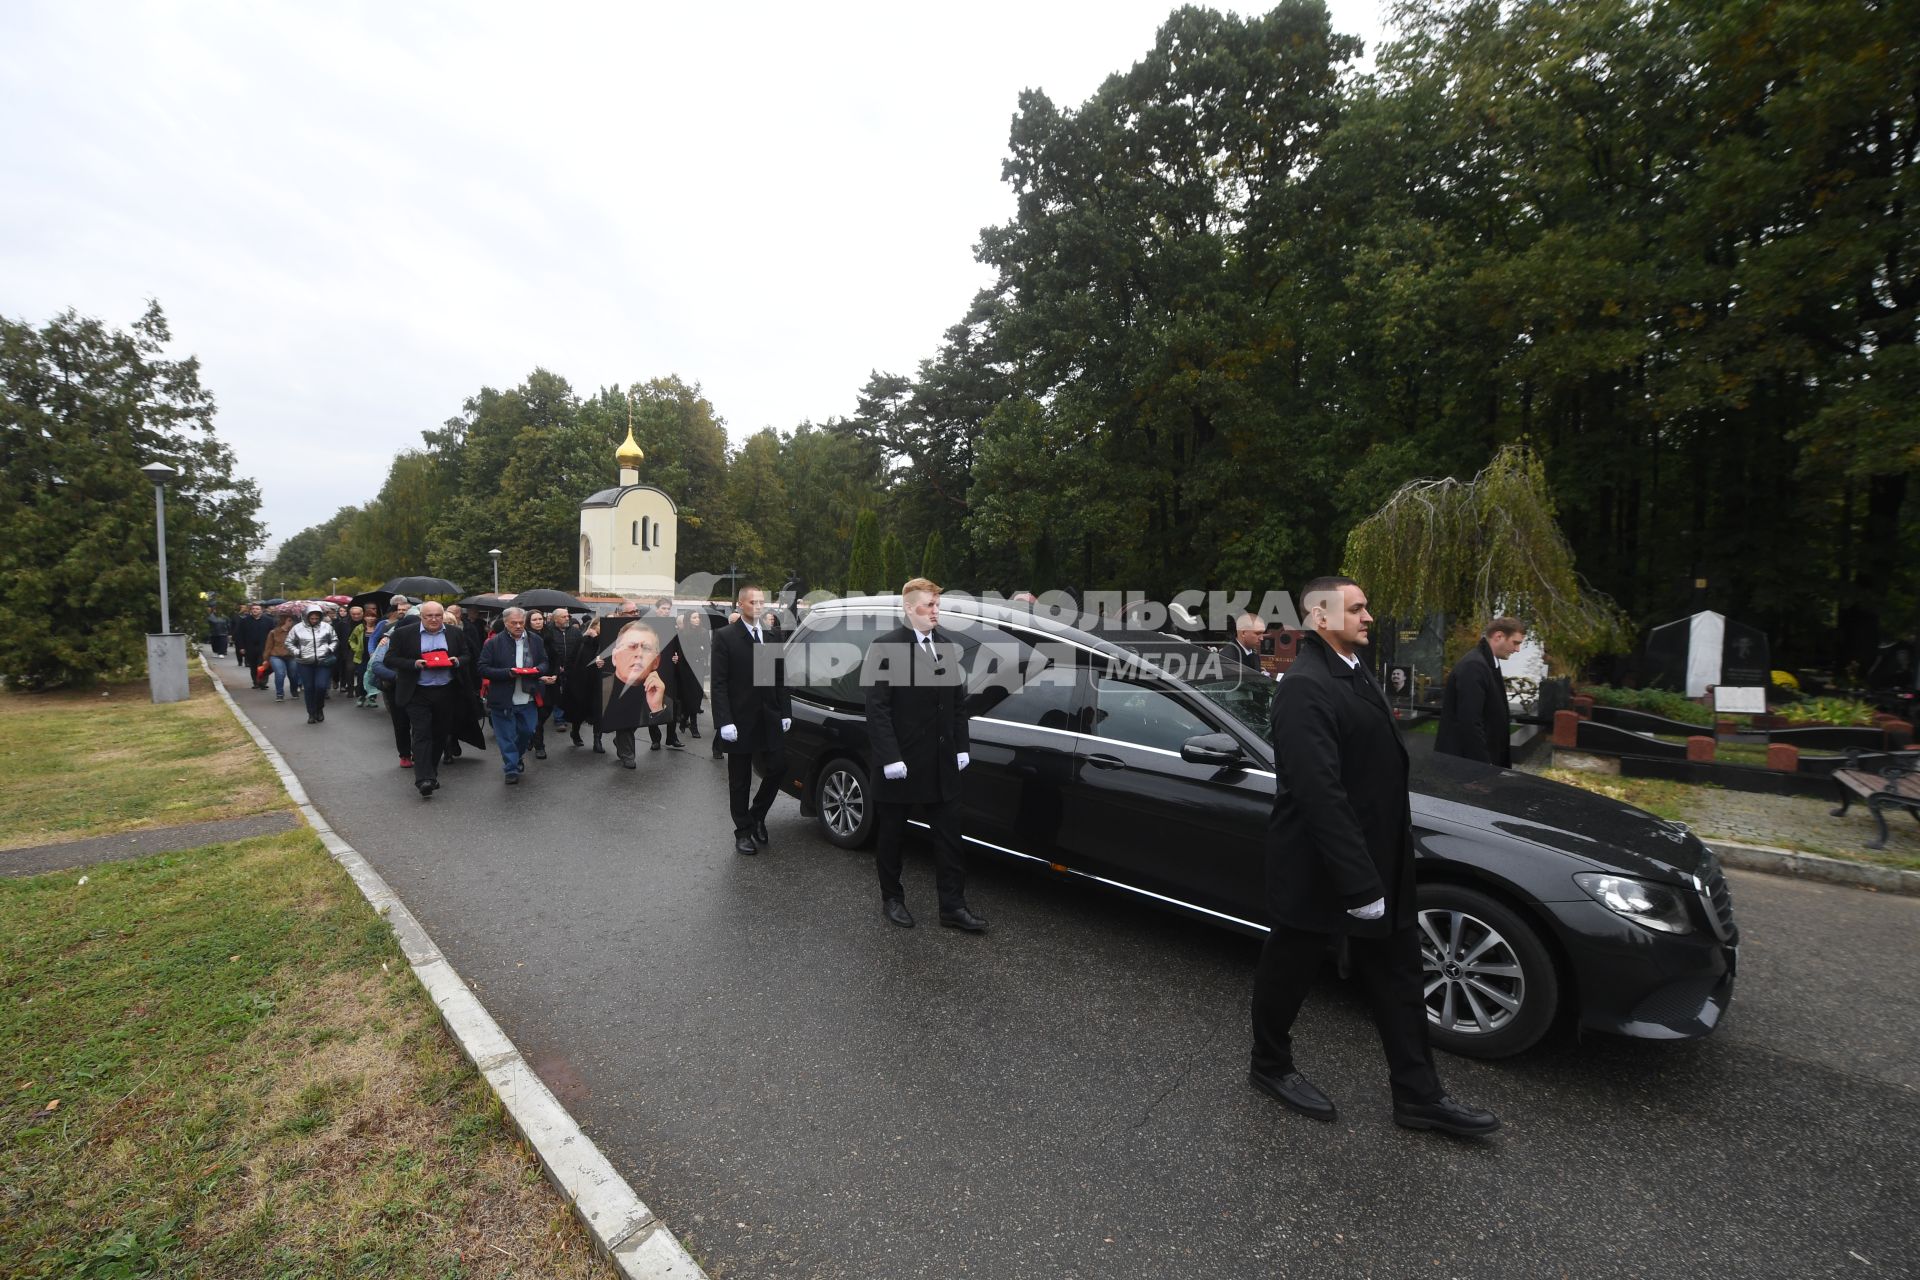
column 166, row 652
column 495, row 553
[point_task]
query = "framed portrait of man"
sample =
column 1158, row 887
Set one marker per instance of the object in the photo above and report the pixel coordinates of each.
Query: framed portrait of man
column 633, row 690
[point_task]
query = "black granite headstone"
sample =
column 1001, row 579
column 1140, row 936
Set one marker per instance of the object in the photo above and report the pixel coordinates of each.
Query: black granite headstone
column 1745, row 660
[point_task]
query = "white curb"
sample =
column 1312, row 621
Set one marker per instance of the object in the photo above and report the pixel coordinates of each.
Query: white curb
column 623, row 1228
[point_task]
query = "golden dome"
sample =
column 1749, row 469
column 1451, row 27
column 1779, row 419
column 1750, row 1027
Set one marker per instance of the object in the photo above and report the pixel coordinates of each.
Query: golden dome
column 629, row 454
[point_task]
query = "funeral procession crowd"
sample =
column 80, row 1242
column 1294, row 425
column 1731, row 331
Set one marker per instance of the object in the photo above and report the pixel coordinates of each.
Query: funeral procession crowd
column 1338, row 847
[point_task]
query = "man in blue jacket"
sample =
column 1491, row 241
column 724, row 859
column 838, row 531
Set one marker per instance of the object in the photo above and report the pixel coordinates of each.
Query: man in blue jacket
column 512, row 662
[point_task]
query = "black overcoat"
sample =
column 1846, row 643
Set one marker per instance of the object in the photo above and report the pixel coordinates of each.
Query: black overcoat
column 1341, row 833
column 1474, row 721
column 404, row 650
column 753, row 707
column 572, row 652
column 915, row 716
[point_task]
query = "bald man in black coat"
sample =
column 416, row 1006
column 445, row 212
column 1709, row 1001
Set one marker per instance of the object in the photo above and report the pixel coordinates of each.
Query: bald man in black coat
column 1340, row 865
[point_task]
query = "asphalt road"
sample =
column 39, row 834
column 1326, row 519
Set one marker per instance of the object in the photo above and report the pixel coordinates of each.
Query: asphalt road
column 800, row 1089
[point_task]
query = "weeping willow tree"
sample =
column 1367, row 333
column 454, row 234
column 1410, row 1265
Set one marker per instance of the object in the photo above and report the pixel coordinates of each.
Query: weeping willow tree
column 1486, row 546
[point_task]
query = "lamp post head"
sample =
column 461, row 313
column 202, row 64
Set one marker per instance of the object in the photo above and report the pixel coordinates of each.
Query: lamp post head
column 160, row 473
column 495, row 553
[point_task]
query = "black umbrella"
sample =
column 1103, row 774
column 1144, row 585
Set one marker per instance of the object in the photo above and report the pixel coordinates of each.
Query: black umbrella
column 547, row 598
column 375, row 600
column 487, row 600
column 420, row 586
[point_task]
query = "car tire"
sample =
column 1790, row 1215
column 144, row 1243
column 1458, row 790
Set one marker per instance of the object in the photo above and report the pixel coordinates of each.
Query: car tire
column 843, row 803
column 1491, row 986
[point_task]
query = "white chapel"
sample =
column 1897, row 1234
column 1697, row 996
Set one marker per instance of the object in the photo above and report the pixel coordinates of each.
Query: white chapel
column 629, row 534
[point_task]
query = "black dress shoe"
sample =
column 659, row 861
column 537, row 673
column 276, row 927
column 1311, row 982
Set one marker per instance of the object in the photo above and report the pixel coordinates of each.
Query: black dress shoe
column 1449, row 1115
column 896, row 913
column 597, row 748
column 963, row 919
column 426, row 790
column 574, row 737
column 1296, row 1092
column 513, row 777
column 654, row 747
column 674, row 744
column 539, row 753
column 694, row 731
column 744, row 844
column 760, row 830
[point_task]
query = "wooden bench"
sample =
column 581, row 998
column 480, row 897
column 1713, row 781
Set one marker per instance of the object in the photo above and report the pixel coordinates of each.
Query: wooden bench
column 1883, row 786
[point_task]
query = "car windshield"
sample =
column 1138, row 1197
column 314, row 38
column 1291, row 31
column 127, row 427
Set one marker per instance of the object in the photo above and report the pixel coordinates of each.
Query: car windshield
column 1250, row 701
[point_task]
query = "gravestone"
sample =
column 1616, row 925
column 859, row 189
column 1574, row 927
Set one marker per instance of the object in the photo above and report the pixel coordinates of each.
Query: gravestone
column 1691, row 655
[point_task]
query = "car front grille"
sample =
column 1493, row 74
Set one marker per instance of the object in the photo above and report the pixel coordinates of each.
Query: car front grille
column 1716, row 897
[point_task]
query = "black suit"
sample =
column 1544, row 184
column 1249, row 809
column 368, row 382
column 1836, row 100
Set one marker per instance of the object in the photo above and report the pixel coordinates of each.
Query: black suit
column 754, row 707
column 1247, row 658
column 915, row 699
column 436, row 714
column 1340, row 837
column 1474, row 721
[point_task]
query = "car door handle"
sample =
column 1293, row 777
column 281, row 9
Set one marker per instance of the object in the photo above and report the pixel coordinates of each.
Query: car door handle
column 1100, row 760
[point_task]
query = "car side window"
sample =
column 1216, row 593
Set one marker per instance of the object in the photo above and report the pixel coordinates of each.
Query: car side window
column 1143, row 716
column 824, row 657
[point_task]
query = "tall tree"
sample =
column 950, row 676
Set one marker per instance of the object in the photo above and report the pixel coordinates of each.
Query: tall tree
column 933, row 560
column 893, row 562
column 82, row 409
column 759, row 516
column 865, row 573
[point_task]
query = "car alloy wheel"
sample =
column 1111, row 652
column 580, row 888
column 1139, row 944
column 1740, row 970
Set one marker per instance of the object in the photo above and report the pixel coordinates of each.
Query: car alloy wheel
column 846, row 808
column 1490, row 985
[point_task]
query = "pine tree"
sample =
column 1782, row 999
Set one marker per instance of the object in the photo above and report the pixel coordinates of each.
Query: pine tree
column 893, row 562
column 933, row 560
column 864, row 570
column 82, row 409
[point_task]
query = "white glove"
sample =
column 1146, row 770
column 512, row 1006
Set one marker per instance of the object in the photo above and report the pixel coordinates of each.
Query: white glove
column 785, row 725
column 729, row 734
column 895, row 771
column 963, row 759
column 1372, row 911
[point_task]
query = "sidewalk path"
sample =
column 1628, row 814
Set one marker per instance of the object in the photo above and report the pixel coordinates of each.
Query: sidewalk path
column 139, row 844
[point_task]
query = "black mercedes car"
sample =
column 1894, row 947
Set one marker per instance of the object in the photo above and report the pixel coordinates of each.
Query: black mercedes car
column 1140, row 762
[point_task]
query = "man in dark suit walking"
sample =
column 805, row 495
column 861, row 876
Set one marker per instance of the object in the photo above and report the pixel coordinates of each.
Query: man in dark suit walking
column 253, row 635
column 753, row 710
column 435, row 685
column 1474, row 720
column 1340, row 865
column 917, row 732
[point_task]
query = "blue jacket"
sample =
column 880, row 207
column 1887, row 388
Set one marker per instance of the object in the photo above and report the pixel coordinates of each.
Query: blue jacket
column 496, row 668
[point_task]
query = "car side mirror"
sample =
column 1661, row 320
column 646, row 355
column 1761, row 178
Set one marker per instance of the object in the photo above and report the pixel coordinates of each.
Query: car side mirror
column 1212, row 748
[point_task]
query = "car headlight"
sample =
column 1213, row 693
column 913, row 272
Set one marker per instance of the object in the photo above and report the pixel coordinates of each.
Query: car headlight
column 1656, row 906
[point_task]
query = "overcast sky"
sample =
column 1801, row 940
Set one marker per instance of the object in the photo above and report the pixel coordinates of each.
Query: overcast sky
column 357, row 215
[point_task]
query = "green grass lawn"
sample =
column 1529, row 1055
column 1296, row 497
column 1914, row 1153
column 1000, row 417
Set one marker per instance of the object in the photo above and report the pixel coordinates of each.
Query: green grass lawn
column 219, row 1064
column 109, row 760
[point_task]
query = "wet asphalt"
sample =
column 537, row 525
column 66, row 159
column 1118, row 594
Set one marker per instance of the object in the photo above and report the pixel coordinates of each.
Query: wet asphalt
column 800, row 1089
